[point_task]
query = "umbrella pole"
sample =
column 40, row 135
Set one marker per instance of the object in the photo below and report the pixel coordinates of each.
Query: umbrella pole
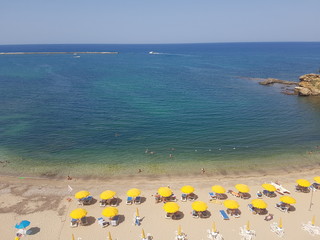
column 311, row 200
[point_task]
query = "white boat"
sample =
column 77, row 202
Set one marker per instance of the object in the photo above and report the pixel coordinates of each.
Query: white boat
column 153, row 52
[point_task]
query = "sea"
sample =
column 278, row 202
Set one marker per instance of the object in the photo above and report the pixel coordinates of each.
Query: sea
column 187, row 109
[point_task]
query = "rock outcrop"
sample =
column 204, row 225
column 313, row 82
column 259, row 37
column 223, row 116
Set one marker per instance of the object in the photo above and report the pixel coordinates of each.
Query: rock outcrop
column 309, row 85
column 269, row 81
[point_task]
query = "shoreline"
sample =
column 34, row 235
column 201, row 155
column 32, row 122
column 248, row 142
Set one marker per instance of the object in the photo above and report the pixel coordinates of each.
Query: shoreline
column 219, row 170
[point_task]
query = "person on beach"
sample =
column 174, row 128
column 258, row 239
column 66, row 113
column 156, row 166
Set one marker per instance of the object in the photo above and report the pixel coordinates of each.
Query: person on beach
column 203, row 171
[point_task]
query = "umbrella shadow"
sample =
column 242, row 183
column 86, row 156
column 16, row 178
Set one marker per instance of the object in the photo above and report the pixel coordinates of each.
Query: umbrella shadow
column 222, row 196
column 245, row 195
column 205, row 214
column 178, row 215
column 33, row 231
column 291, row 208
column 90, row 220
column 143, row 199
column 121, row 218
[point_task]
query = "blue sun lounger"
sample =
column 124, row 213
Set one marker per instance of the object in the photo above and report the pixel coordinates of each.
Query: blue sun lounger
column 129, row 200
column 212, row 195
column 224, row 215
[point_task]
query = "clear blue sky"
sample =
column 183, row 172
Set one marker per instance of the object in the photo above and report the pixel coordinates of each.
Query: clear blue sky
column 162, row 21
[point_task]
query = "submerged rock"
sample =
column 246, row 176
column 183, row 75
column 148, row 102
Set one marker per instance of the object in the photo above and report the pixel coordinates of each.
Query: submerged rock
column 309, row 85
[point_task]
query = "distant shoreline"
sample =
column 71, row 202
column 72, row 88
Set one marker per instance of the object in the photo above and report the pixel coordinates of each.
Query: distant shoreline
column 21, row 53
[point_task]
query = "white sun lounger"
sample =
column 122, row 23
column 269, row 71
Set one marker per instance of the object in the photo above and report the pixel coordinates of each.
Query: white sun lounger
column 276, row 229
column 214, row 235
column 247, row 234
column 280, row 189
column 313, row 230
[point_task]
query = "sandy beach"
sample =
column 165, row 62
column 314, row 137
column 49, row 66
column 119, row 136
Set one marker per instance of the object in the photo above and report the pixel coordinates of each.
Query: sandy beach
column 44, row 203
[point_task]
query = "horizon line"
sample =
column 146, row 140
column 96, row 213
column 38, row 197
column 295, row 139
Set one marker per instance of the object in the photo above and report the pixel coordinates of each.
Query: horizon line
column 16, row 44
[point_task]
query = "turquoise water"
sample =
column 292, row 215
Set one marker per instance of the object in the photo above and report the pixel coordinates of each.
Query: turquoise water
column 102, row 113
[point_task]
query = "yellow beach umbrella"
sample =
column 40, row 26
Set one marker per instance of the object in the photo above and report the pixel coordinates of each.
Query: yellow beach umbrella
column 317, row 179
column 171, row 207
column 269, row 187
column 218, row 189
column 81, row 194
column 78, row 213
column 231, row 204
column 110, row 212
column 109, row 236
column 280, row 223
column 143, row 235
column 107, row 194
column 199, row 206
column 72, row 237
column 179, row 230
column 137, row 212
column 242, row 188
column 313, row 221
column 259, row 203
column 187, row 189
column 287, row 199
column 165, row 191
column 134, row 192
column 248, row 226
column 303, row 183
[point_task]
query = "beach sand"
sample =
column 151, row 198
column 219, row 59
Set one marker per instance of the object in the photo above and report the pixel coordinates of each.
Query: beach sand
column 44, row 203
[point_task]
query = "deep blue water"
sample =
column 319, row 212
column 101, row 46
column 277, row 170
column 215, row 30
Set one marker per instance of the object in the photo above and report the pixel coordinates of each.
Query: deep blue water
column 193, row 98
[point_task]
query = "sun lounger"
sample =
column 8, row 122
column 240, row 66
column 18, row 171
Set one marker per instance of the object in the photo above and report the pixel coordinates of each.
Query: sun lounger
column 247, row 234
column 87, row 200
column 259, row 194
column 115, row 220
column 212, row 195
column 276, row 229
column 282, row 207
column 233, row 193
column 302, row 189
column 214, row 235
column 172, row 198
column 129, row 200
column 251, row 208
column 316, row 186
column 184, row 197
column 281, row 190
column 311, row 229
column 192, row 197
column 83, row 221
column 137, row 200
column 136, row 221
column 103, row 203
column 74, row 222
column 103, row 223
column 168, row 215
column 195, row 214
column 224, row 215
column 114, row 202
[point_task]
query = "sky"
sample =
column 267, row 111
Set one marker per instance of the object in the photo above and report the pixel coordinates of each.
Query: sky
column 162, row 21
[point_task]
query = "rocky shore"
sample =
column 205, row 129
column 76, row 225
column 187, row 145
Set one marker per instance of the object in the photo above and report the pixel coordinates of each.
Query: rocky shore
column 309, row 85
